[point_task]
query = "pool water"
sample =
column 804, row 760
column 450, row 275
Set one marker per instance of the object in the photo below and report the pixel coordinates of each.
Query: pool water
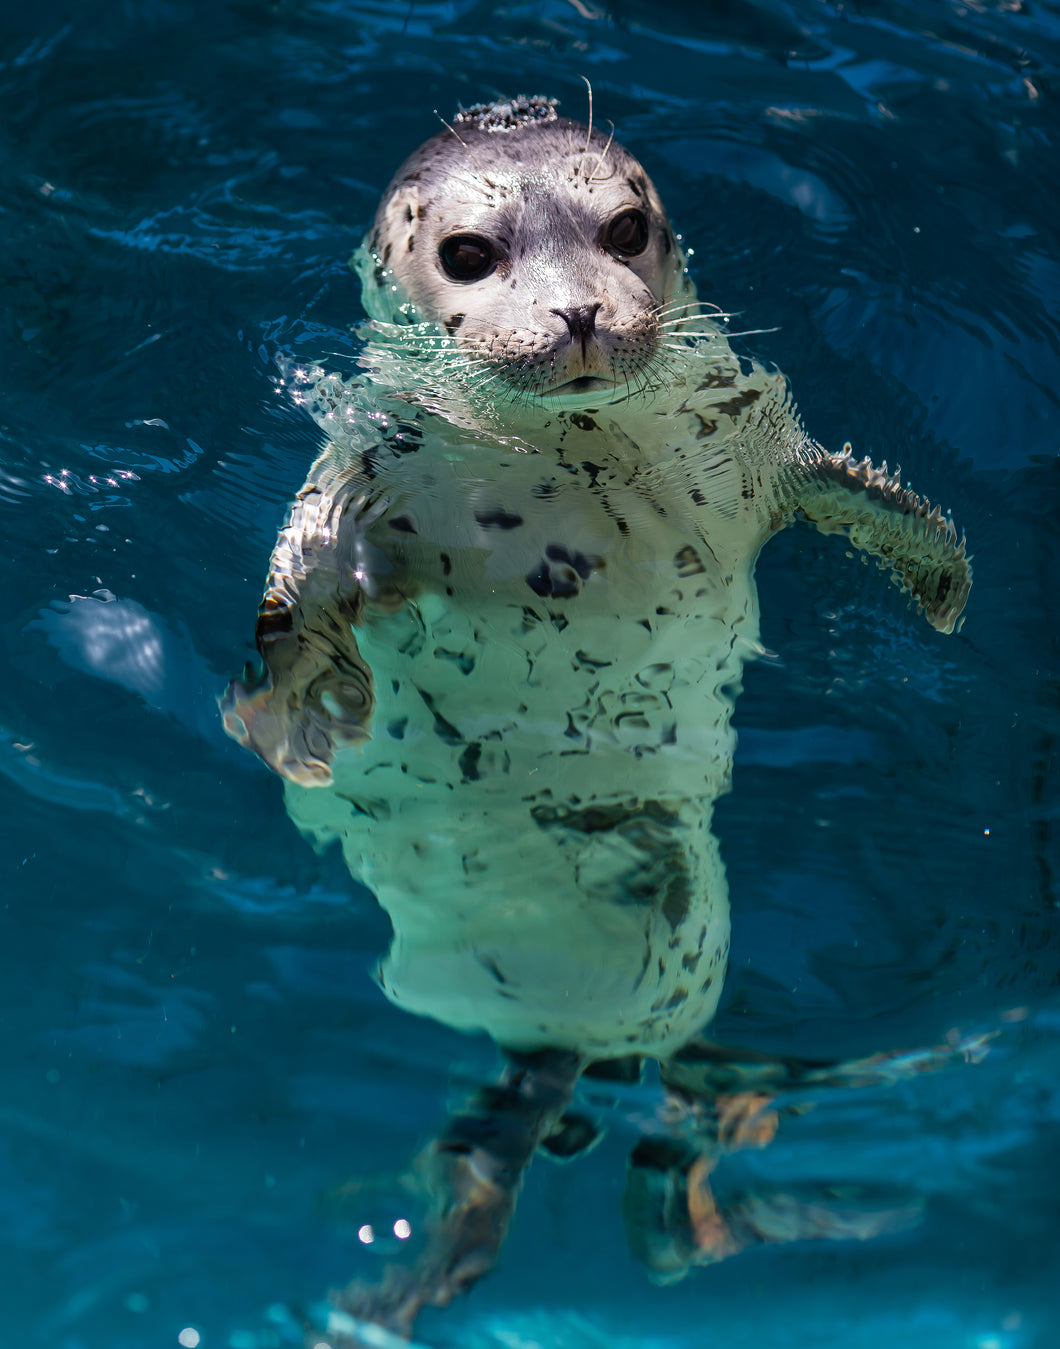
column 205, row 1097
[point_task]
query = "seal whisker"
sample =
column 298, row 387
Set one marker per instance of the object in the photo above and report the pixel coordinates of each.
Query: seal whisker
column 602, row 158
column 589, row 130
column 464, row 143
column 750, row 332
column 674, row 322
column 689, row 304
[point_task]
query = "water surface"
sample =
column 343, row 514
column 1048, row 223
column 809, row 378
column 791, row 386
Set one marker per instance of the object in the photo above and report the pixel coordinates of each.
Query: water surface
column 195, row 1057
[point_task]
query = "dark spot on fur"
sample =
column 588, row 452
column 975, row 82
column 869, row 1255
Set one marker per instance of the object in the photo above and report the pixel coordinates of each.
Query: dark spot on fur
column 408, row 212
column 583, row 661
column 634, row 186
column 386, row 254
column 396, row 729
column 404, row 524
column 447, row 563
column 620, row 520
column 464, row 663
column 593, row 470
column 583, row 422
column 453, row 322
column 553, row 581
column 698, row 497
column 688, row 562
column 736, row 405
column 555, row 552
column 540, row 580
column 489, row 964
column 498, row 518
column 363, row 809
column 468, row 762
column 412, row 243
column 677, row 900
column 443, row 729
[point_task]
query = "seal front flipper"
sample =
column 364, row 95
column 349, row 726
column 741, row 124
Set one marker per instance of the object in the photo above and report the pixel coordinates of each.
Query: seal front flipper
column 314, row 692
column 879, row 516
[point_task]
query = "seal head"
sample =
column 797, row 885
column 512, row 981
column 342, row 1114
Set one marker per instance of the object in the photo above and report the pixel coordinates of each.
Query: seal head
column 541, row 248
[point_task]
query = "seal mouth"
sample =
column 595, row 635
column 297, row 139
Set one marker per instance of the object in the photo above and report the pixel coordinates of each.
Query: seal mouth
column 581, row 385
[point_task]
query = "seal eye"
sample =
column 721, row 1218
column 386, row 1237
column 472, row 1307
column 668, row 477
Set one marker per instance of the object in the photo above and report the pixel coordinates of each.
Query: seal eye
column 466, row 257
column 627, row 234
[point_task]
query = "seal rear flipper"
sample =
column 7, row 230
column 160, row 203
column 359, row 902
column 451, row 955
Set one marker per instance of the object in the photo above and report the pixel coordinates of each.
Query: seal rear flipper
column 314, row 692
column 675, row 1221
column 906, row 533
column 474, row 1172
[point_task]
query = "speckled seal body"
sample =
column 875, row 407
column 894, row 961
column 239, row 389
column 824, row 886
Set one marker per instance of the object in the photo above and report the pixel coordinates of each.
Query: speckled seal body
column 508, row 615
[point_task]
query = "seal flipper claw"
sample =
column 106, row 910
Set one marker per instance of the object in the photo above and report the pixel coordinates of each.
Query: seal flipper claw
column 905, row 532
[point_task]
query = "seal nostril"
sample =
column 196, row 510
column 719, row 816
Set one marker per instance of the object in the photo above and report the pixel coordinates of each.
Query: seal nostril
column 581, row 322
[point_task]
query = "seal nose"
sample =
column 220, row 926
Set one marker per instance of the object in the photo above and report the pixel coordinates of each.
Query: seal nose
column 581, row 322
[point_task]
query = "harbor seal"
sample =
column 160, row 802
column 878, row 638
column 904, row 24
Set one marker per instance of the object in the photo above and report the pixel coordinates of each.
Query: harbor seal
column 507, row 617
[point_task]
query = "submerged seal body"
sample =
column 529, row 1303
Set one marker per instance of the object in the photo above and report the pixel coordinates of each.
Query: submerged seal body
column 507, row 617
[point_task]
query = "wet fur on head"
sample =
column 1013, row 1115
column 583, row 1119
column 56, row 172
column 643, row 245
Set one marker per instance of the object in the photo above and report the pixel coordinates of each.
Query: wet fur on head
column 582, row 264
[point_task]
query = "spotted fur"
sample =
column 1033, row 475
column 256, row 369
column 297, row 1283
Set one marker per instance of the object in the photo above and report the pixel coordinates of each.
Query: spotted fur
column 508, row 615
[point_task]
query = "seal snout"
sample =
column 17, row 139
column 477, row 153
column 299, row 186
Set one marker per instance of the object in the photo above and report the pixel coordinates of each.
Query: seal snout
column 585, row 360
column 580, row 321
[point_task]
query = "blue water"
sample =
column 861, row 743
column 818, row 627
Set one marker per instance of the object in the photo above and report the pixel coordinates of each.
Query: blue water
column 195, row 1060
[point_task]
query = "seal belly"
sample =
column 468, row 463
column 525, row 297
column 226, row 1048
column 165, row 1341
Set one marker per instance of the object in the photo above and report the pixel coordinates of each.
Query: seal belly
column 602, row 929
column 534, row 807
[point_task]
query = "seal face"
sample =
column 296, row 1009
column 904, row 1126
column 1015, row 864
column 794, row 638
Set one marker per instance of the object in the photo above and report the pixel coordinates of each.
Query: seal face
column 540, row 246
